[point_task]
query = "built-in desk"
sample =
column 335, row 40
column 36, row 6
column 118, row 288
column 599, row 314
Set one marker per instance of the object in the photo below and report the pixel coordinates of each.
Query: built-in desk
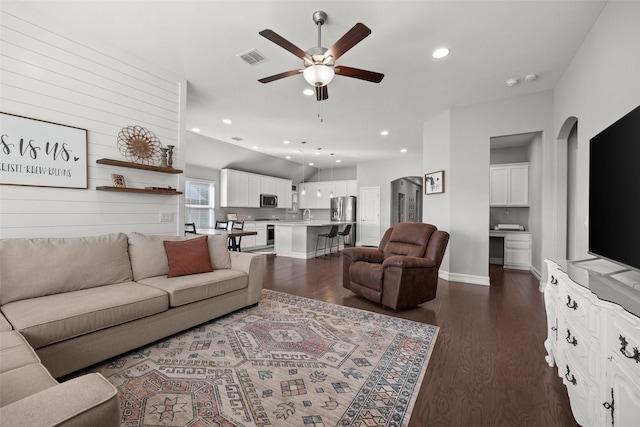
column 516, row 249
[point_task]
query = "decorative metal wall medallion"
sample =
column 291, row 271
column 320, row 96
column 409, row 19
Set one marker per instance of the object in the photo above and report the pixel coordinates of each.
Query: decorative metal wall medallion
column 139, row 145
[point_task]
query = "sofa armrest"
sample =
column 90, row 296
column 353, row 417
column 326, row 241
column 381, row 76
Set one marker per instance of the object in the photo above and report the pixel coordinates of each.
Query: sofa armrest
column 364, row 254
column 254, row 266
column 89, row 400
column 408, row 262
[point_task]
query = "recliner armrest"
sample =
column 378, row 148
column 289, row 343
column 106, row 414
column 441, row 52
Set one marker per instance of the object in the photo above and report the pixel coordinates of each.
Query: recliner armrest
column 408, row 262
column 373, row 255
column 89, row 400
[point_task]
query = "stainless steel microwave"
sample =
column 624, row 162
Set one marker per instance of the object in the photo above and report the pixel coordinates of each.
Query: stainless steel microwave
column 268, row 201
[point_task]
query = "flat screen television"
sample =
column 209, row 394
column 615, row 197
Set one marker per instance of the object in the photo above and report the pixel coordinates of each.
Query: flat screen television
column 614, row 192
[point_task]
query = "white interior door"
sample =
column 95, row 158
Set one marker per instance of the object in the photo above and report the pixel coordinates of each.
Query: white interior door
column 369, row 212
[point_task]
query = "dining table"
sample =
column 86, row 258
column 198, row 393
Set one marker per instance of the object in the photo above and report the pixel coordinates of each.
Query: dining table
column 233, row 235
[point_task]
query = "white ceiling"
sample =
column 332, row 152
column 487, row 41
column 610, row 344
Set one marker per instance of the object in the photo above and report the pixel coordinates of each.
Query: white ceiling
column 490, row 42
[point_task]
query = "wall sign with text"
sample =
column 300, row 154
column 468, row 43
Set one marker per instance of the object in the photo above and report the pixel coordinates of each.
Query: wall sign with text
column 42, row 154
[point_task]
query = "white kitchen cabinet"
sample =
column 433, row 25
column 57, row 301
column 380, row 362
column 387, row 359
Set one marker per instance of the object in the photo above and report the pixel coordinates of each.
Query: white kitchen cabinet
column 267, row 185
column 254, row 191
column 234, row 188
column 283, row 191
column 595, row 345
column 517, row 251
column 352, row 188
column 509, row 184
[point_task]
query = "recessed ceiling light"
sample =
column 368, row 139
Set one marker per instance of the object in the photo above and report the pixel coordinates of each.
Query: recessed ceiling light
column 286, row 142
column 195, row 130
column 338, row 161
column 440, row 53
column 403, row 150
column 512, row 82
column 255, row 147
column 384, row 133
column 226, row 121
column 310, row 163
column 287, row 157
column 308, row 92
column 317, row 153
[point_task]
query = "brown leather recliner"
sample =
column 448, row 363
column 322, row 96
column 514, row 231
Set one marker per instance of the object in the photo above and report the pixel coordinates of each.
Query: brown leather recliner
column 402, row 271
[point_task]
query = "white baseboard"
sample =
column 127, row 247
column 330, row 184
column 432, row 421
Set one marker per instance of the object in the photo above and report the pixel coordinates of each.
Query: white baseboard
column 464, row 278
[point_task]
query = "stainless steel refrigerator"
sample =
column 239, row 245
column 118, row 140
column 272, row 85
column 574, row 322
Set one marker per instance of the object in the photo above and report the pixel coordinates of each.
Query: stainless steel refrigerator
column 344, row 209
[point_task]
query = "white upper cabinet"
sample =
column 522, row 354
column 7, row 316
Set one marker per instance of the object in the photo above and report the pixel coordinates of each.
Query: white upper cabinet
column 509, row 184
column 254, row 191
column 243, row 189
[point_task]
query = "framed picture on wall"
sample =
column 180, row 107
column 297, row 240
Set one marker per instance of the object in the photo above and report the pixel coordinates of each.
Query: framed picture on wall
column 434, row 182
column 42, row 154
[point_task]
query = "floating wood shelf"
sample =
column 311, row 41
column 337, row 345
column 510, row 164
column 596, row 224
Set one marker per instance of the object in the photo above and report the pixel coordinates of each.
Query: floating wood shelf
column 138, row 190
column 124, row 164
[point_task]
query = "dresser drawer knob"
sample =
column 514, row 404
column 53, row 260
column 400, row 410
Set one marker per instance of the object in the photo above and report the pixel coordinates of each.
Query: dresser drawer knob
column 571, row 340
column 571, row 304
column 554, row 281
column 623, row 349
column 572, row 378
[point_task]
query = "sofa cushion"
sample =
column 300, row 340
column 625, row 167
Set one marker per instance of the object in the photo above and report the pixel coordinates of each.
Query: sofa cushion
column 4, row 324
column 55, row 318
column 148, row 257
column 15, row 352
column 188, row 257
column 219, row 251
column 24, row 381
column 31, row 268
column 367, row 274
column 187, row 289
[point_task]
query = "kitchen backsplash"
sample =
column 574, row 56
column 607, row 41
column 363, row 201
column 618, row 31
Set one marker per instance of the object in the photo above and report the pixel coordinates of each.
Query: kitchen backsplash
column 251, row 214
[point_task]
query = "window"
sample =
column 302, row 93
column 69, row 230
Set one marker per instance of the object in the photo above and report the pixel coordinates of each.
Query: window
column 199, row 203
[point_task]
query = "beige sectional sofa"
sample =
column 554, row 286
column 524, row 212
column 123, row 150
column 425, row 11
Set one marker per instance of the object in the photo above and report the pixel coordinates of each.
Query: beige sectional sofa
column 68, row 303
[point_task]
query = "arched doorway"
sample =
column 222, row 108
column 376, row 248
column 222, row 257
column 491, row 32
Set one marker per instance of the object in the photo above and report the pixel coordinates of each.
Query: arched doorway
column 566, row 155
column 406, row 200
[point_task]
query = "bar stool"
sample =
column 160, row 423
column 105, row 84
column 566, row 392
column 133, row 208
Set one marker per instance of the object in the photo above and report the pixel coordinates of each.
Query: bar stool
column 343, row 233
column 327, row 237
column 190, row 227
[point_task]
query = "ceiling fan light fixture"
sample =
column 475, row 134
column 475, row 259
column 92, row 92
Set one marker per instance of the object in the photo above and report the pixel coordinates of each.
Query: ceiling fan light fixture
column 318, row 75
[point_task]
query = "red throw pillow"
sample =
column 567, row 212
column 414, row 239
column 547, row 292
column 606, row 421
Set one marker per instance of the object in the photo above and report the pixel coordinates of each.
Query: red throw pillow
column 188, row 256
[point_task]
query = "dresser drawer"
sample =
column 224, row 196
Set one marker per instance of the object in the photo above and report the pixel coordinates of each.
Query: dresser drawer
column 578, row 345
column 582, row 395
column 623, row 341
column 576, row 304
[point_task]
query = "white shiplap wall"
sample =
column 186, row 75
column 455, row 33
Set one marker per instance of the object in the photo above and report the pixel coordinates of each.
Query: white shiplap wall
column 51, row 74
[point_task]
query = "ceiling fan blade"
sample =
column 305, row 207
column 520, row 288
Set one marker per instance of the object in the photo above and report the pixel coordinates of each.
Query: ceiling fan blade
column 285, row 44
column 357, row 73
column 351, row 38
column 279, row 76
column 322, row 93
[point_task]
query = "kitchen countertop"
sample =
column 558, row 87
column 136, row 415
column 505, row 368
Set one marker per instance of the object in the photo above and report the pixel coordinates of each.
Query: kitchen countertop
column 312, row 223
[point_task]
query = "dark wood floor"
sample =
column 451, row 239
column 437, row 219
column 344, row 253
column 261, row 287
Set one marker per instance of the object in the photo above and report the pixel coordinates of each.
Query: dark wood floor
column 487, row 366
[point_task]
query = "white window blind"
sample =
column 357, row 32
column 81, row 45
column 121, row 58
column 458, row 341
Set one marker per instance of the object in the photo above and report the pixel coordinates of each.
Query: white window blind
column 199, row 201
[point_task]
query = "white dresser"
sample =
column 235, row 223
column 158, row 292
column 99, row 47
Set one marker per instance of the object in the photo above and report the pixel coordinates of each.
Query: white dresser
column 594, row 339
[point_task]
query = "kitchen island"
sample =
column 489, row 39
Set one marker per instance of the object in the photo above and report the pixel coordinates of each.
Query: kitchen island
column 297, row 239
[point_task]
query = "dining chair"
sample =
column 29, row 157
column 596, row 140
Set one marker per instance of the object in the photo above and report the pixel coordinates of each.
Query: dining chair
column 190, row 227
column 236, row 226
column 328, row 237
column 222, row 225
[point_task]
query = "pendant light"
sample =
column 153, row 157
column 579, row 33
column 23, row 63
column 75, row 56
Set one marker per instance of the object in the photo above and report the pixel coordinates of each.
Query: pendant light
column 304, row 190
column 331, row 164
column 318, row 194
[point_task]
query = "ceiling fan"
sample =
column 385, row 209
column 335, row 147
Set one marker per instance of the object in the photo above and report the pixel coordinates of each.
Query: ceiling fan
column 319, row 62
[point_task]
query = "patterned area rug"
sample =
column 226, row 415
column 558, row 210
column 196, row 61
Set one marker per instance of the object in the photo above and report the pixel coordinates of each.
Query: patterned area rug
column 289, row 361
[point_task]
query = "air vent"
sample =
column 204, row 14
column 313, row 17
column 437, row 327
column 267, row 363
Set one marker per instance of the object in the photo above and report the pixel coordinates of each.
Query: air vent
column 237, row 138
column 253, row 57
